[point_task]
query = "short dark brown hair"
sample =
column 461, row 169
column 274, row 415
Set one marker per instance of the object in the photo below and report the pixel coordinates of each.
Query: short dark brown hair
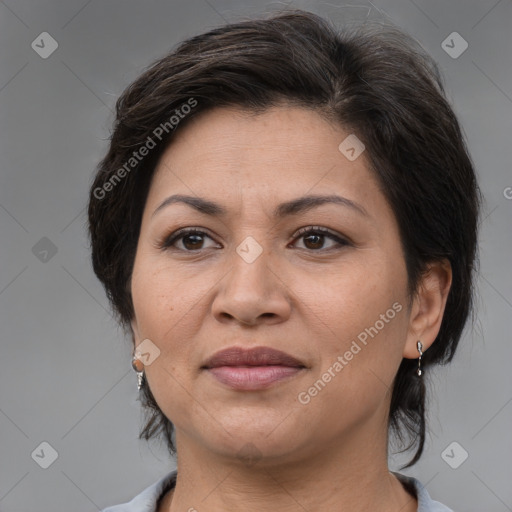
column 372, row 79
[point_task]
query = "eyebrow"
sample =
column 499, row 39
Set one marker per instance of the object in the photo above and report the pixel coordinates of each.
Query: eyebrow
column 293, row 207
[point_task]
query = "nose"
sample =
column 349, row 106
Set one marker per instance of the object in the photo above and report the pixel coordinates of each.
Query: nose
column 252, row 292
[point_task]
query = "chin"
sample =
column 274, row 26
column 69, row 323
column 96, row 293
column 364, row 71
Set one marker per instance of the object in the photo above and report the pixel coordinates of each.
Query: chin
column 255, row 438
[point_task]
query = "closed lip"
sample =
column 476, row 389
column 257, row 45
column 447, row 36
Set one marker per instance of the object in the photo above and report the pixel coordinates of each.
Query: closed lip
column 257, row 356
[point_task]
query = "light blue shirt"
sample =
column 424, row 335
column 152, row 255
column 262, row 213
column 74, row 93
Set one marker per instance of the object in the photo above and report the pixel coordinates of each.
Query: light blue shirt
column 147, row 500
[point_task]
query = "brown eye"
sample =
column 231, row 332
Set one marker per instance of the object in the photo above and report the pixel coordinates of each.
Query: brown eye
column 314, row 241
column 314, row 238
column 191, row 240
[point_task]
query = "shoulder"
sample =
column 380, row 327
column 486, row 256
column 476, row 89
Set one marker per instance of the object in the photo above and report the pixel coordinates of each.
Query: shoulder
column 425, row 502
column 147, row 500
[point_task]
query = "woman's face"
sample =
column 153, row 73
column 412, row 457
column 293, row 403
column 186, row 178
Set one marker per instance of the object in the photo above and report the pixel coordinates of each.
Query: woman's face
column 336, row 302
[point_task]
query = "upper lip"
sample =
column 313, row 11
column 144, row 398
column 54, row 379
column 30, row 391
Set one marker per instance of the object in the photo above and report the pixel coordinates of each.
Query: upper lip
column 258, row 356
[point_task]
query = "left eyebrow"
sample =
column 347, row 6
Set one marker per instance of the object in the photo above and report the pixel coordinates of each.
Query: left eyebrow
column 293, row 207
column 306, row 203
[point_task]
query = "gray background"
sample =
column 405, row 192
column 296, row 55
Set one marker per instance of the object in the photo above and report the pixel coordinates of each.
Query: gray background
column 65, row 374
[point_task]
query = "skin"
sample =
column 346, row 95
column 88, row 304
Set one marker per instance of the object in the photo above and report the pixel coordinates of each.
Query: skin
column 306, row 296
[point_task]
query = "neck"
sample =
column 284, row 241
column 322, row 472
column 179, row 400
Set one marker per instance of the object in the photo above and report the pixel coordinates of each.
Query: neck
column 353, row 477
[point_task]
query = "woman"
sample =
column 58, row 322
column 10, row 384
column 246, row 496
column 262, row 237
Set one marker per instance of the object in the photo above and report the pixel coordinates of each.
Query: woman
column 285, row 224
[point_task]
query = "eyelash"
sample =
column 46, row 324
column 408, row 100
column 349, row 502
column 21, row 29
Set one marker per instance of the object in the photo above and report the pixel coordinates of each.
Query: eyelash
column 167, row 242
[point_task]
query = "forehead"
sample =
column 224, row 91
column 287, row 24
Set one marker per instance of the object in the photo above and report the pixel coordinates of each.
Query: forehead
column 282, row 153
column 266, row 147
column 276, row 135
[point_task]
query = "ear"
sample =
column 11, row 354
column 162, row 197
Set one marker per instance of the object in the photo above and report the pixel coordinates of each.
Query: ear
column 428, row 307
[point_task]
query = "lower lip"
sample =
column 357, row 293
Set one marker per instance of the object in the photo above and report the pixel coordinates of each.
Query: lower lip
column 253, row 377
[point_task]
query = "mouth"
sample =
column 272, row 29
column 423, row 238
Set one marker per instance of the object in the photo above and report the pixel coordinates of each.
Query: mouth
column 252, row 369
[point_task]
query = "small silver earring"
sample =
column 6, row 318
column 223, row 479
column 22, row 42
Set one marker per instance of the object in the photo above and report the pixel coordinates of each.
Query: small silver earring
column 138, row 366
column 420, row 346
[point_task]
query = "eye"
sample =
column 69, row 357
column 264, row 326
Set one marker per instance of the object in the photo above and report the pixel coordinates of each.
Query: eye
column 314, row 238
column 192, row 239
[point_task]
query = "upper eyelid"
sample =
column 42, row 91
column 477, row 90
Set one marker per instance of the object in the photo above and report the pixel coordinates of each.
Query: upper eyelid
column 178, row 234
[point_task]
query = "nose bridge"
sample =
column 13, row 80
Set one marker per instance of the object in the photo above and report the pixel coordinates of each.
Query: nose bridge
column 252, row 288
column 251, row 263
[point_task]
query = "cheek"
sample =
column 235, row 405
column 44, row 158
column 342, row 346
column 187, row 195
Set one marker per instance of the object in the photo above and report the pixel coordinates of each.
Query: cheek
column 164, row 302
column 163, row 296
column 345, row 300
column 360, row 352
column 169, row 308
column 360, row 323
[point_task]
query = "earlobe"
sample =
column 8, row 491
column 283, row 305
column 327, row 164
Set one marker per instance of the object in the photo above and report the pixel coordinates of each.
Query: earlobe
column 428, row 307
